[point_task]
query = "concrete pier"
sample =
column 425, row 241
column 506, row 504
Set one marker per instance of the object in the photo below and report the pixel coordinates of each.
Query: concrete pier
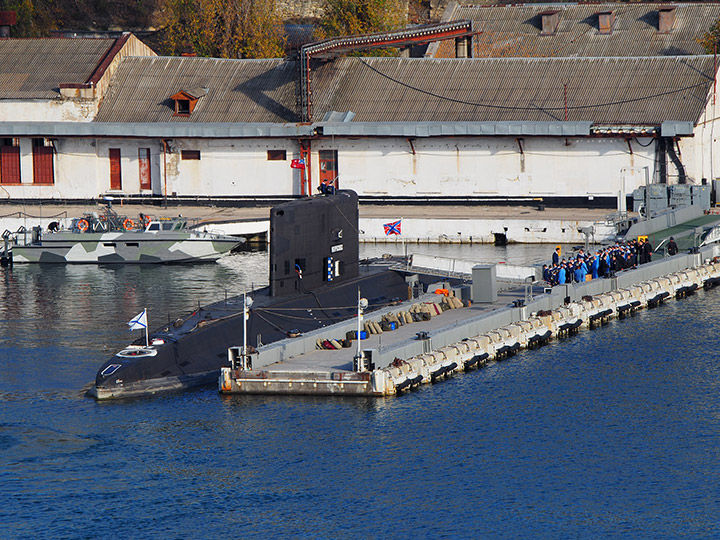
column 458, row 339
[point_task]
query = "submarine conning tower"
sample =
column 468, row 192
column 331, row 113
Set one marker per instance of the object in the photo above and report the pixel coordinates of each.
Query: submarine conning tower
column 313, row 241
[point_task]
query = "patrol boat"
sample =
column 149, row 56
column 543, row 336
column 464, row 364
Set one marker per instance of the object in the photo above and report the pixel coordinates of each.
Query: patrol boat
column 315, row 274
column 109, row 238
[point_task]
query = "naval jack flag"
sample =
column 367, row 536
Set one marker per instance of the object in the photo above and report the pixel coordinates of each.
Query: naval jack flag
column 139, row 321
column 393, row 227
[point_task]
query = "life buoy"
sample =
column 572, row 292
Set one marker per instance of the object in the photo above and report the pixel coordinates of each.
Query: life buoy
column 146, row 220
column 128, row 224
column 83, row 225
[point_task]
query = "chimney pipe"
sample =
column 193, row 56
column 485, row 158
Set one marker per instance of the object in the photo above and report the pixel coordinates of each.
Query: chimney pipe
column 606, row 19
column 666, row 19
column 550, row 20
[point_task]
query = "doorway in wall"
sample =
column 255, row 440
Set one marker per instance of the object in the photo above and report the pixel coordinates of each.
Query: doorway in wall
column 43, row 172
column 144, row 161
column 115, row 171
column 9, row 161
column 329, row 167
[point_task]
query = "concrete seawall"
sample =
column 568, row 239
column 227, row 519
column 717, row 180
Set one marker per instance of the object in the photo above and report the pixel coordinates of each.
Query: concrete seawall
column 467, row 340
column 482, row 230
column 421, row 224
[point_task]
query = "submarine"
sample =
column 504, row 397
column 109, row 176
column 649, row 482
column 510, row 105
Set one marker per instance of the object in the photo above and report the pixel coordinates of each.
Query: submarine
column 315, row 274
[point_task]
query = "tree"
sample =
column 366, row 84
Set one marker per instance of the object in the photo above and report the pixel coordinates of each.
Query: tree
column 352, row 17
column 32, row 21
column 223, row 29
column 711, row 40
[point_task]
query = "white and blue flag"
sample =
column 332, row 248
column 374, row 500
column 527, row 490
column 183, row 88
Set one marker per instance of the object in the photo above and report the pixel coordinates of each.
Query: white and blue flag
column 139, row 321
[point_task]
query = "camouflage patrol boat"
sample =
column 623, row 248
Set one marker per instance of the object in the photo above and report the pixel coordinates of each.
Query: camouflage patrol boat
column 113, row 239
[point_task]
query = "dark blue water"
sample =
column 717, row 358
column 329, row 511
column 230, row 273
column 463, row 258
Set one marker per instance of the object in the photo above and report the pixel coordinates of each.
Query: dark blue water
column 614, row 433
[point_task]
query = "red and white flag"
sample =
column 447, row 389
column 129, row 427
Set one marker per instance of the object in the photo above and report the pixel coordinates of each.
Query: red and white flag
column 393, row 228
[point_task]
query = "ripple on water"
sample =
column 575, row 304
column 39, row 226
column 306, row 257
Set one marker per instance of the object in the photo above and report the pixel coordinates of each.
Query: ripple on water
column 613, row 433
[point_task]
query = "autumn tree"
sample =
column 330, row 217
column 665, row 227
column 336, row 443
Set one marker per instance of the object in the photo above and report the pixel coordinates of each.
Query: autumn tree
column 351, row 17
column 32, row 20
column 223, row 29
column 711, row 39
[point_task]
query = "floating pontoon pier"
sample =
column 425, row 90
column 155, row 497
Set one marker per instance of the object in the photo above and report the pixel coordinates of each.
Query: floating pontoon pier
column 450, row 339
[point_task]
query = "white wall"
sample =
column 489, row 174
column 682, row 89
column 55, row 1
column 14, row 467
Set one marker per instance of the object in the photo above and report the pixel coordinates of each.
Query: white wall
column 233, row 167
column 463, row 166
column 52, row 110
column 488, row 166
column 701, row 153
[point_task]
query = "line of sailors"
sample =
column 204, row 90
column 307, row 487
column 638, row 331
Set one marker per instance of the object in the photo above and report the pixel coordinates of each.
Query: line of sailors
column 601, row 263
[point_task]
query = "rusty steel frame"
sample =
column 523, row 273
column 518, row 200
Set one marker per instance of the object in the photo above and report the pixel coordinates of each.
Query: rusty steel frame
column 333, row 47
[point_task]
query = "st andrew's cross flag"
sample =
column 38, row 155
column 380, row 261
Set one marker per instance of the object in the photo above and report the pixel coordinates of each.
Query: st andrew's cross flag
column 139, row 321
column 393, row 228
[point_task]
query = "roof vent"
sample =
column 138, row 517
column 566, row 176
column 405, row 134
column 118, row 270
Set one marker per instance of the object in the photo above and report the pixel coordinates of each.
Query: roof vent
column 606, row 19
column 186, row 100
column 335, row 116
column 550, row 19
column 666, row 19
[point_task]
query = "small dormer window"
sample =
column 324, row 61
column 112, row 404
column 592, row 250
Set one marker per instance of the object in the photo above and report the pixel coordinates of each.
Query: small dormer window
column 182, row 106
column 186, row 100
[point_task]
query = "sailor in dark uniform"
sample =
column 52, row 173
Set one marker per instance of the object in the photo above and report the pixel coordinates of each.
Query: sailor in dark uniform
column 647, row 249
column 672, row 247
column 556, row 256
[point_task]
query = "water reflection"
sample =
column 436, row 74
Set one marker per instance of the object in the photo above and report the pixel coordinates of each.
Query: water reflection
column 587, row 437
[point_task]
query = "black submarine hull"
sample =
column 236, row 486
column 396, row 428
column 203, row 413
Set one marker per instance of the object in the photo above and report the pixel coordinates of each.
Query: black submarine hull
column 191, row 352
column 314, row 278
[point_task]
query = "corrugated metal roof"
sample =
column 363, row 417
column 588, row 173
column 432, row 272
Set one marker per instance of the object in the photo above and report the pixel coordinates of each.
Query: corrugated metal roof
column 33, row 68
column 633, row 91
column 237, row 90
column 637, row 91
column 515, row 30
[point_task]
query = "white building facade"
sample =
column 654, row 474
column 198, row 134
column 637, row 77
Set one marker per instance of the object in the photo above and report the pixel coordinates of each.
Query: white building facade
column 145, row 127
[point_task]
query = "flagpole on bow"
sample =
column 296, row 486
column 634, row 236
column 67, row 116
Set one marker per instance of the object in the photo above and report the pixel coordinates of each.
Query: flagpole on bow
column 147, row 337
column 140, row 321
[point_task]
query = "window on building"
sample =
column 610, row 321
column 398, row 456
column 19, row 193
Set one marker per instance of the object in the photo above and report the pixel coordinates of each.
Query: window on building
column 186, row 100
column 190, row 154
column 144, row 163
column 276, row 155
column 9, row 161
column 43, row 172
column 182, row 107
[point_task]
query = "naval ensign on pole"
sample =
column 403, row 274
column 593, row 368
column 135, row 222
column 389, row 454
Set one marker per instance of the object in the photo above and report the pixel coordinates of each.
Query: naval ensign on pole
column 140, row 321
